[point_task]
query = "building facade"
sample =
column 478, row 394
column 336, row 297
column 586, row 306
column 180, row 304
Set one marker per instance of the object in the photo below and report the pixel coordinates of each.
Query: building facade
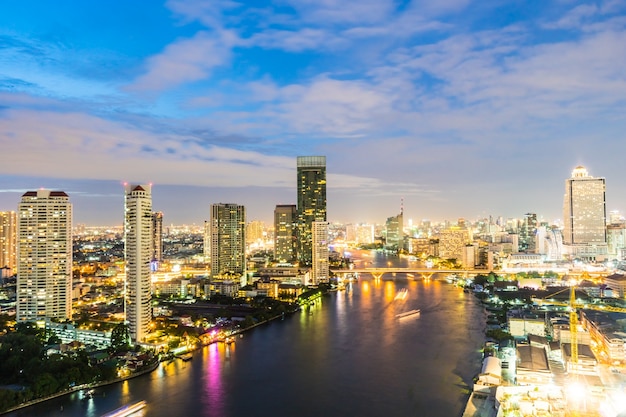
column 228, row 241
column 311, row 172
column 394, row 228
column 285, row 233
column 157, row 237
column 584, row 216
column 44, row 264
column 8, row 240
column 138, row 249
column 319, row 271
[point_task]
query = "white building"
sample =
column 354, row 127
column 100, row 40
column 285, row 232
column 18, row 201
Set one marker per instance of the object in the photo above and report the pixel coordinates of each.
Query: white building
column 44, row 247
column 584, row 216
column 320, row 272
column 138, row 253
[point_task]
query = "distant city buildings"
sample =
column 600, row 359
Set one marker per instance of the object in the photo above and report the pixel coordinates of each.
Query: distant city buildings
column 311, row 176
column 8, row 241
column 584, row 216
column 44, row 251
column 528, row 233
column 138, row 249
column 285, row 233
column 359, row 234
column 228, row 242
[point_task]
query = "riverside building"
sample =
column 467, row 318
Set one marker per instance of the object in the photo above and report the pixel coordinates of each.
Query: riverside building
column 138, row 248
column 228, row 242
column 285, row 233
column 311, row 171
column 44, row 264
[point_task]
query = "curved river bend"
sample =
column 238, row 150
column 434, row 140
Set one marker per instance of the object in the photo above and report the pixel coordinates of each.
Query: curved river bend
column 346, row 356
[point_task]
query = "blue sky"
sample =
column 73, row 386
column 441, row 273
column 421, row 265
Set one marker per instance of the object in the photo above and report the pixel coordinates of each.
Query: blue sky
column 461, row 108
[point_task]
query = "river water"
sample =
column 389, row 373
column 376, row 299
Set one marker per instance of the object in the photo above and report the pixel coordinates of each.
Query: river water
column 348, row 355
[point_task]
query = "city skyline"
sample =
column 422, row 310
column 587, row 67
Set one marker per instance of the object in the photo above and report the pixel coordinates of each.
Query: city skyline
column 445, row 107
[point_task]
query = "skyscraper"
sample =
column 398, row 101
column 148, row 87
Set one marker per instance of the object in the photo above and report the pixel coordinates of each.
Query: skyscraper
column 311, row 171
column 8, row 240
column 44, row 268
column 285, row 233
column 584, row 216
column 228, row 241
column 527, row 233
column 138, row 238
column 395, row 232
column 319, row 270
column 157, row 237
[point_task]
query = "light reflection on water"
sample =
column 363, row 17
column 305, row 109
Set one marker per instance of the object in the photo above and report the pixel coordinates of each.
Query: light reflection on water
column 345, row 355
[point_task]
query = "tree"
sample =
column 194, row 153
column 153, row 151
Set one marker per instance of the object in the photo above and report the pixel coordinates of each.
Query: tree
column 120, row 338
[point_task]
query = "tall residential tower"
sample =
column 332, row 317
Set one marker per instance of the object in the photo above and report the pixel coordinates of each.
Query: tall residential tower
column 228, row 241
column 44, row 248
column 584, row 216
column 8, row 240
column 285, row 233
column 311, row 171
column 138, row 248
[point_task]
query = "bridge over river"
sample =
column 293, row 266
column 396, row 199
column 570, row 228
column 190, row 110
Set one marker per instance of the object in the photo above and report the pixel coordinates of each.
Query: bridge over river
column 427, row 273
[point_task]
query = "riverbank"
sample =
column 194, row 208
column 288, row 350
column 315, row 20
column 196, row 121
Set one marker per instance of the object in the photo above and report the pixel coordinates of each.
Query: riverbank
column 150, row 368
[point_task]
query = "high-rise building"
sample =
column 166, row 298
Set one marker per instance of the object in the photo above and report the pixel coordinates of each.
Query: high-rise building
column 157, row 237
column 319, row 270
column 228, row 241
column 206, row 249
column 8, row 240
column 44, row 248
column 285, row 233
column 527, row 233
column 394, row 228
column 138, row 248
column 311, row 171
column 584, row 216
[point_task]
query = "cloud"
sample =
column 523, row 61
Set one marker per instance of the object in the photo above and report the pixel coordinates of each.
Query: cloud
column 186, row 60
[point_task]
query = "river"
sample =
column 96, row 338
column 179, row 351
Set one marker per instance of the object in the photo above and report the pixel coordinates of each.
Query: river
column 348, row 355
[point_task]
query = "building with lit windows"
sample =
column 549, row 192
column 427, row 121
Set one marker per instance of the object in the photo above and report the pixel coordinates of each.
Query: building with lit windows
column 394, row 229
column 285, row 233
column 138, row 249
column 8, row 240
column 44, row 256
column 527, row 233
column 584, row 216
column 157, row 237
column 360, row 234
column 228, row 242
column 311, row 172
column 319, row 270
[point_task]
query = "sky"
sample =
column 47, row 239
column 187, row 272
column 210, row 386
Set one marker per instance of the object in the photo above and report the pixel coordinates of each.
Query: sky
column 453, row 108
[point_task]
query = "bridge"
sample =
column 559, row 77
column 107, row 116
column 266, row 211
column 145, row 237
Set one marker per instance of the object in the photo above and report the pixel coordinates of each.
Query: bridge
column 427, row 273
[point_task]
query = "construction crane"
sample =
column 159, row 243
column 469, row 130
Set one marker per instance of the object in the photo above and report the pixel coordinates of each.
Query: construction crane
column 573, row 317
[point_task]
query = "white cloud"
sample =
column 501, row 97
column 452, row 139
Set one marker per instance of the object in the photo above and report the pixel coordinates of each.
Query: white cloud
column 186, row 60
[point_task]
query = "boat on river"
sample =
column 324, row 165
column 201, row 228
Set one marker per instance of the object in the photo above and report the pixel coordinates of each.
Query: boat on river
column 186, row 357
column 407, row 314
column 127, row 410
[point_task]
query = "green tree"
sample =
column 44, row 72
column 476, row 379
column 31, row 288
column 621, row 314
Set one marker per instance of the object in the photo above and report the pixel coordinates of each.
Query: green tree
column 120, row 338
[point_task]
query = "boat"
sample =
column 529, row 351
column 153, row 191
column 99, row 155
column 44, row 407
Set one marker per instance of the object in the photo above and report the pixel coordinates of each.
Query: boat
column 186, row 357
column 409, row 313
column 401, row 295
column 127, row 410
